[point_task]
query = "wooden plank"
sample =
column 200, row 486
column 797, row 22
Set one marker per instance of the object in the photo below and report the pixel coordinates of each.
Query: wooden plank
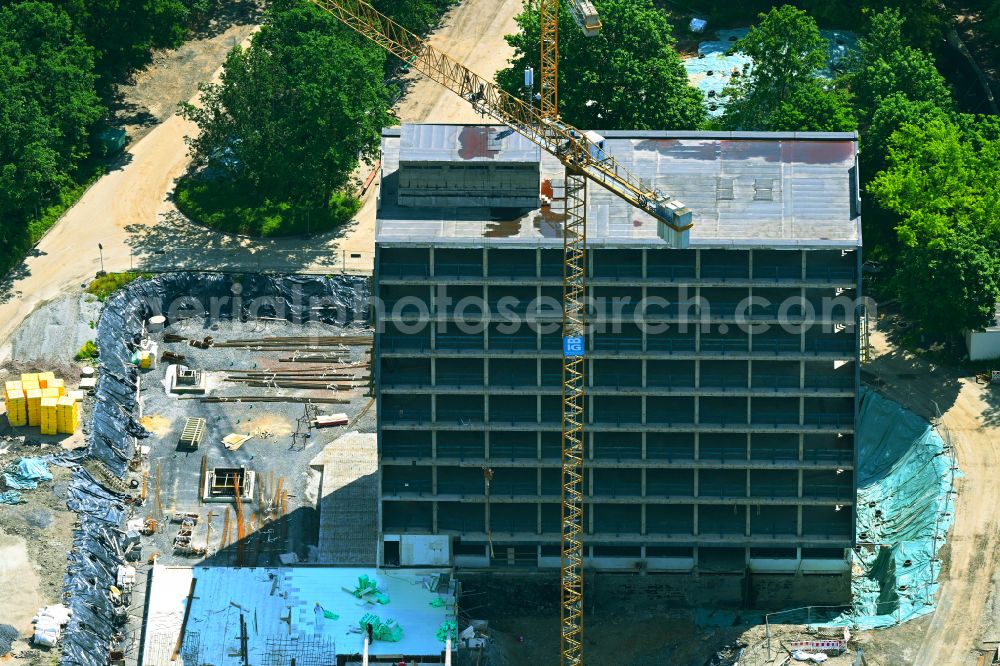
column 187, row 614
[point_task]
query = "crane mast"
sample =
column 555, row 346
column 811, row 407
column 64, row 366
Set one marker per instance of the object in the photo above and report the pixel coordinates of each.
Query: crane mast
column 574, row 339
column 583, row 159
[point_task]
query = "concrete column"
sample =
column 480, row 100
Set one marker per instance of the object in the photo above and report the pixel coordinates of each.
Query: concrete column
column 645, row 264
column 486, row 329
column 486, row 444
column 486, row 263
column 750, row 259
column 695, row 529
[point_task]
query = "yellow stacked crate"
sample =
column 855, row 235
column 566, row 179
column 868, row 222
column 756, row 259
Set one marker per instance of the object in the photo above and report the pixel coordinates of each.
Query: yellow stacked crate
column 17, row 407
column 12, row 386
column 30, row 377
column 52, row 392
column 34, row 399
column 44, row 378
column 67, row 415
column 57, row 384
column 49, row 416
column 29, row 385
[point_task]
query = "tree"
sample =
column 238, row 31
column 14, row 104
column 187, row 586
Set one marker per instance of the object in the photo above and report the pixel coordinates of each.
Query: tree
column 782, row 91
column 951, row 287
column 48, row 106
column 942, row 182
column 295, row 109
column 628, row 77
column 122, row 33
column 886, row 66
column 415, row 15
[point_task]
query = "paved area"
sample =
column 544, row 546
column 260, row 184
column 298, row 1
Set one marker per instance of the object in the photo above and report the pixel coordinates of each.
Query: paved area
column 129, row 211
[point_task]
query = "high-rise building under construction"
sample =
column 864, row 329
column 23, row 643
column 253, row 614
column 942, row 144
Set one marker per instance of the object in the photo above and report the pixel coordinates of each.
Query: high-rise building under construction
column 721, row 379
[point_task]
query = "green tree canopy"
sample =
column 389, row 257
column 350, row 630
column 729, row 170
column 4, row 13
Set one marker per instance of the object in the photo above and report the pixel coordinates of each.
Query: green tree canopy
column 295, row 109
column 952, row 287
column 416, row 15
column 48, row 106
column 943, row 183
column 782, row 90
column 885, row 66
column 628, row 77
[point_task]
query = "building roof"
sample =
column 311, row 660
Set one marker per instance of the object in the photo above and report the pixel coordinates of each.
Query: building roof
column 279, row 607
column 745, row 189
column 464, row 143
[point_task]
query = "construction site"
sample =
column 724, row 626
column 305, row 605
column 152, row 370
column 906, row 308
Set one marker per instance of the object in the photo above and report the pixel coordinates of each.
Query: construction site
column 607, row 397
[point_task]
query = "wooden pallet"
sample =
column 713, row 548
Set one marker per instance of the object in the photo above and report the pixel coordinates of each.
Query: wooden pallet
column 194, row 431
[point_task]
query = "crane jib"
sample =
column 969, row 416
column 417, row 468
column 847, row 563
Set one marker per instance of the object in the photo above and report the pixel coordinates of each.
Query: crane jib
column 568, row 144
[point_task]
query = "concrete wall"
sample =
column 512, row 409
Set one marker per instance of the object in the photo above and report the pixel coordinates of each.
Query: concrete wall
column 538, row 593
column 983, row 345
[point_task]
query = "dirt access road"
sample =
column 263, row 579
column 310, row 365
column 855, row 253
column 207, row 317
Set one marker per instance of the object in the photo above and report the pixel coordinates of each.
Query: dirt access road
column 129, row 212
column 967, row 606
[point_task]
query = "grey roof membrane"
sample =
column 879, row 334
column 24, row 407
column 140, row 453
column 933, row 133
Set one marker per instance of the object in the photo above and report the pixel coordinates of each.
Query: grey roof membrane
column 451, row 143
column 744, row 189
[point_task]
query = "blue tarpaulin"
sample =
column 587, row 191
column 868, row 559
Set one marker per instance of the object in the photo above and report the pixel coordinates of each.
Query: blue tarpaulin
column 26, row 473
column 905, row 507
column 10, row 497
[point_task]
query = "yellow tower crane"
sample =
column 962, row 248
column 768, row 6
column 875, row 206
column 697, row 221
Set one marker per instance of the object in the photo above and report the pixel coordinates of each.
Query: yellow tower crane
column 584, row 157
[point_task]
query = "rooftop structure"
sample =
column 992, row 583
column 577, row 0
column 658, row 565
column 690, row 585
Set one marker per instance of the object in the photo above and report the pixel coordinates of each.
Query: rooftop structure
column 745, row 189
column 279, row 608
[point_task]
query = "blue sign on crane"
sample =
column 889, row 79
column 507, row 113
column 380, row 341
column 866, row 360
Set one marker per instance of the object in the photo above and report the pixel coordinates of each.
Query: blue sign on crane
column 573, row 346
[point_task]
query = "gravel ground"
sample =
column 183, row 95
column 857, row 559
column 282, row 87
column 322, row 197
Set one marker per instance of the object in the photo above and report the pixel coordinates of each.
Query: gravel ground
column 50, row 337
column 272, row 453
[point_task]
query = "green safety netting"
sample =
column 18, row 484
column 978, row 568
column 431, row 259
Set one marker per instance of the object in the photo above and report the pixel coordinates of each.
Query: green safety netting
column 366, row 586
column 711, row 70
column 448, row 629
column 382, row 630
column 905, row 507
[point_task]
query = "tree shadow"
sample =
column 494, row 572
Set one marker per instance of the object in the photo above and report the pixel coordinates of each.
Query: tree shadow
column 175, row 243
column 226, row 15
column 19, row 272
column 924, row 386
column 991, row 415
